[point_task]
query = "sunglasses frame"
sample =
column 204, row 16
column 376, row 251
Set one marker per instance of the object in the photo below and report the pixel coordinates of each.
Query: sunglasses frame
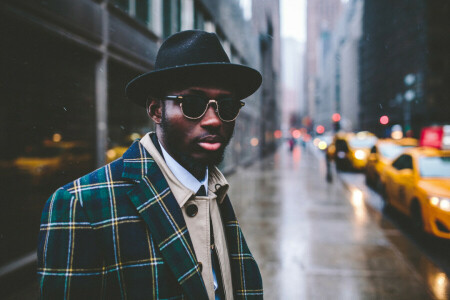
column 180, row 98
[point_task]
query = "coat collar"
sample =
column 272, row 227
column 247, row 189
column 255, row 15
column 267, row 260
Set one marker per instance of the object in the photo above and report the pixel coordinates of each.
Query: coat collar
column 157, row 206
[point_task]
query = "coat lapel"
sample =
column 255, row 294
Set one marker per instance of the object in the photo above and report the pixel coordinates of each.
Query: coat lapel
column 246, row 277
column 159, row 209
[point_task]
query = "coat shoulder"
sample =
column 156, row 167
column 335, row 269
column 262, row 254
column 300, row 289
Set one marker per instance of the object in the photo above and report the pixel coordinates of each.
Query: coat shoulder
column 100, row 190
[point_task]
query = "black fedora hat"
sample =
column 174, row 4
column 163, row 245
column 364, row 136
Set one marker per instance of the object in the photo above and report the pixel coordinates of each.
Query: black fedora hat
column 193, row 57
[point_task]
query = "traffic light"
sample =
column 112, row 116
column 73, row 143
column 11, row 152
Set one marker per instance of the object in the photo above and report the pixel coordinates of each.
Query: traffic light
column 320, row 129
column 384, row 120
column 336, row 118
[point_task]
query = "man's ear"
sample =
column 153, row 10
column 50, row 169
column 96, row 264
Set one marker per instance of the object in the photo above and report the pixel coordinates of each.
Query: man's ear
column 154, row 110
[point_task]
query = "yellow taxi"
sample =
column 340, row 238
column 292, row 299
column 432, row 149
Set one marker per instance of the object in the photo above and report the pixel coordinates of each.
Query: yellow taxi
column 417, row 183
column 351, row 150
column 382, row 154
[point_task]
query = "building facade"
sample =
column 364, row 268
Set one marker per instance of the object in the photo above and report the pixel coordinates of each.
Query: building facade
column 404, row 64
column 65, row 65
column 338, row 70
column 321, row 19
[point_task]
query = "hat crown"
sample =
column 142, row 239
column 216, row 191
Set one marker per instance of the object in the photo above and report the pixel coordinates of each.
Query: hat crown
column 190, row 47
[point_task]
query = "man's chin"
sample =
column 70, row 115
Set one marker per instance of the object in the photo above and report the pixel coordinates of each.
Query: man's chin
column 210, row 158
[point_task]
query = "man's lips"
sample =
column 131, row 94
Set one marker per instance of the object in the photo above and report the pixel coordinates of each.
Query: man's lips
column 210, row 143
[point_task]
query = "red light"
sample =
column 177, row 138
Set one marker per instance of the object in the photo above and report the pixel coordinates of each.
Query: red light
column 320, row 129
column 278, row 134
column 384, row 120
column 336, row 117
column 296, row 134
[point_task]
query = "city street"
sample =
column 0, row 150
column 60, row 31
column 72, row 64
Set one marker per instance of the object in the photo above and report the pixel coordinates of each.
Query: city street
column 315, row 240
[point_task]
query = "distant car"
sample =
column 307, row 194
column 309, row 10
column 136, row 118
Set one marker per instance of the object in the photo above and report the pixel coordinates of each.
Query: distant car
column 417, row 184
column 351, row 150
column 382, row 154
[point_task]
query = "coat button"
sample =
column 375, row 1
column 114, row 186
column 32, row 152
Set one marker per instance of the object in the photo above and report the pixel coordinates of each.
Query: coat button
column 191, row 210
column 200, row 266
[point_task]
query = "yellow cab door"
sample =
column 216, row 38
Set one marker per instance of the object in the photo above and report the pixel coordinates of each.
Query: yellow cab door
column 400, row 182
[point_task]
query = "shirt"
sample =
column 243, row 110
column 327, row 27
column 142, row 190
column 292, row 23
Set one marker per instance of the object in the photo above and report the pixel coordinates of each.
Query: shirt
column 184, row 186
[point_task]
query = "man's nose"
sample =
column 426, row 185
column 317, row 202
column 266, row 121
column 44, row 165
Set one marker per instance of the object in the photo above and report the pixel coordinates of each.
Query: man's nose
column 211, row 118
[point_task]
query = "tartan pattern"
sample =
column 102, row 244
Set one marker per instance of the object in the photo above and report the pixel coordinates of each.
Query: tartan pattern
column 119, row 233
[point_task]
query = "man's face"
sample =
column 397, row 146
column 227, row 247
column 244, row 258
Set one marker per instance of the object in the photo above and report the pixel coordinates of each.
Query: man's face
column 195, row 143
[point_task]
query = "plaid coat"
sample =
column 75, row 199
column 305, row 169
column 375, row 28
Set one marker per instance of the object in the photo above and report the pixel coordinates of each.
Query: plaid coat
column 119, row 233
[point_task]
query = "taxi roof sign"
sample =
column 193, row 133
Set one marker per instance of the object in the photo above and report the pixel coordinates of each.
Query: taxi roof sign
column 436, row 137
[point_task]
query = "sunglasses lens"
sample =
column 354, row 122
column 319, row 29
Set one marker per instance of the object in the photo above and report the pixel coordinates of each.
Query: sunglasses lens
column 194, row 106
column 229, row 108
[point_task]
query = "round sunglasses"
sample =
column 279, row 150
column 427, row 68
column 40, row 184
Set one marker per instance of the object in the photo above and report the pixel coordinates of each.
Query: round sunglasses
column 195, row 106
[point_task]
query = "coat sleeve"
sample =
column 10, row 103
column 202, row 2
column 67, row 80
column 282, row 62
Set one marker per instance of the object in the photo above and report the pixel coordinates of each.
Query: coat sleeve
column 70, row 265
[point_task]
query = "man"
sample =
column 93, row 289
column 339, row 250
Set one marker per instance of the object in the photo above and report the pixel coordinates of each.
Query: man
column 157, row 223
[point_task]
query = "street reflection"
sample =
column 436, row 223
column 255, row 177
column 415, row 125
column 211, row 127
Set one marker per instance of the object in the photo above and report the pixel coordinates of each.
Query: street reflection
column 359, row 208
column 296, row 155
column 439, row 285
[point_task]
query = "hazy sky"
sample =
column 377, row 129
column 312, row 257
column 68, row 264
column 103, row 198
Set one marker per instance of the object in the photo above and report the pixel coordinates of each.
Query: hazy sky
column 293, row 19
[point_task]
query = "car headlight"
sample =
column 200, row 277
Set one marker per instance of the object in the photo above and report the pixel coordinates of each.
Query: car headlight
column 360, row 154
column 442, row 203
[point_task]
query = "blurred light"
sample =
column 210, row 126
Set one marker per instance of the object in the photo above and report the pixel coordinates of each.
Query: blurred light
column 410, row 95
column 296, row 134
column 446, row 141
column 360, row 154
column 440, row 285
column 111, row 153
column 434, row 201
column 254, row 142
column 57, row 137
column 444, row 204
column 384, row 120
column 396, row 135
column 134, row 136
column 336, row 117
column 320, row 129
column 357, row 197
column 322, row 145
column 409, row 79
column 306, row 137
column 316, row 142
column 277, row 134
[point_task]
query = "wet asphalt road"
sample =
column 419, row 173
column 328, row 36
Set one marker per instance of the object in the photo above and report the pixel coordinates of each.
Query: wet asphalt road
column 315, row 240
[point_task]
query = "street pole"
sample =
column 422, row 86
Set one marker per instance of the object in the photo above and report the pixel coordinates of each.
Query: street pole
column 101, row 91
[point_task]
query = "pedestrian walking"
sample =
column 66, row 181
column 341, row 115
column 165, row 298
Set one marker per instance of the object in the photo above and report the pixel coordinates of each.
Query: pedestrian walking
column 157, row 223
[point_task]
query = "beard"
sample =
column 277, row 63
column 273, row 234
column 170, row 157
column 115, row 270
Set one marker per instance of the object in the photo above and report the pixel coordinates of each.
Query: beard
column 194, row 165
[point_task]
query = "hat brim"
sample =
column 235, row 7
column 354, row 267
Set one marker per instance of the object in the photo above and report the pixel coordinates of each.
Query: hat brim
column 243, row 81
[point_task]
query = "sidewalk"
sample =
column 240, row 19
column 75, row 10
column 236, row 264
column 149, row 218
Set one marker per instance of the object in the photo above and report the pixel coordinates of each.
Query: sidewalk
column 314, row 240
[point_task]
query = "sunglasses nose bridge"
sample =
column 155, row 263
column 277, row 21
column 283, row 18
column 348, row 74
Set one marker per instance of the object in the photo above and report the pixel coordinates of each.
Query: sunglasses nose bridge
column 212, row 101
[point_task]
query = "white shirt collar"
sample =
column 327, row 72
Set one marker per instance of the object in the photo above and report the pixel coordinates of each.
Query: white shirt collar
column 183, row 175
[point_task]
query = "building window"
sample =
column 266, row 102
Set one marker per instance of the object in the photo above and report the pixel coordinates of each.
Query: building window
column 137, row 9
column 199, row 18
column 172, row 17
column 122, row 4
column 143, row 11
